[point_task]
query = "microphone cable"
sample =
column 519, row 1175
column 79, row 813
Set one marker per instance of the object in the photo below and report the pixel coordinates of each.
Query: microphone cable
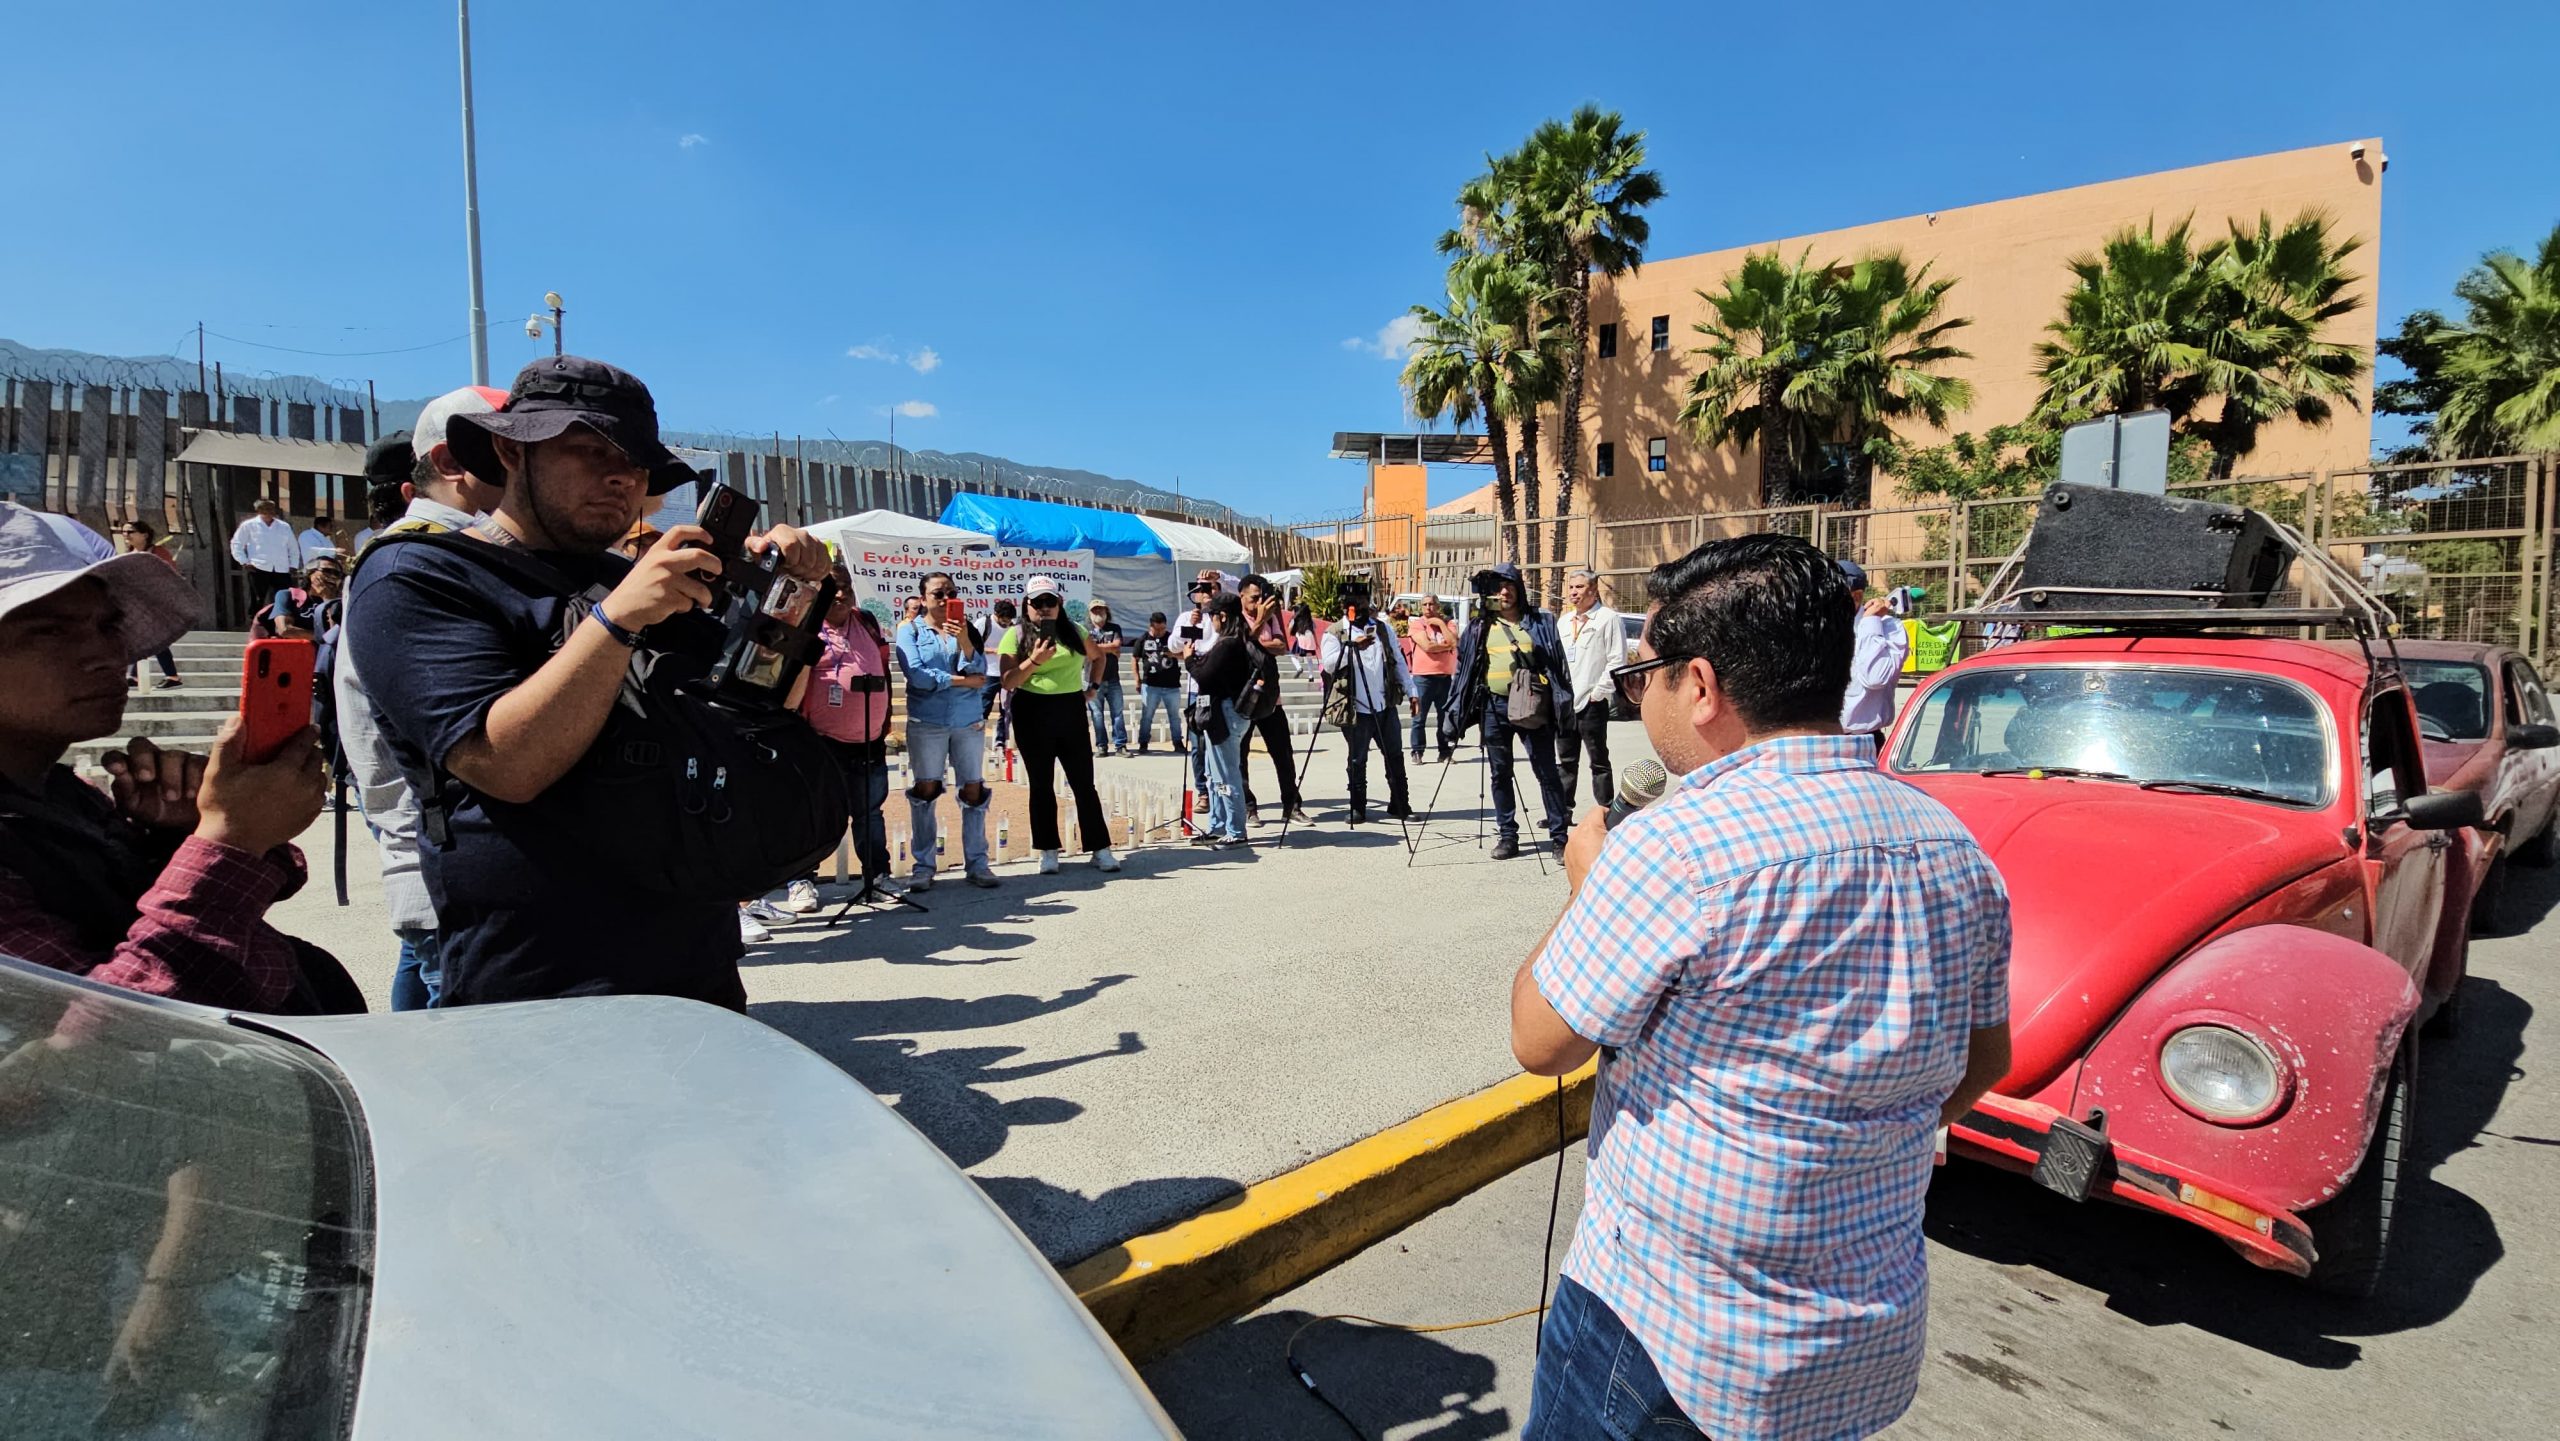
column 1555, row 1204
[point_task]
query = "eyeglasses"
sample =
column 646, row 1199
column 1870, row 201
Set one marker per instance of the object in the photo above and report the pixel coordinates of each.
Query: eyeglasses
column 1631, row 679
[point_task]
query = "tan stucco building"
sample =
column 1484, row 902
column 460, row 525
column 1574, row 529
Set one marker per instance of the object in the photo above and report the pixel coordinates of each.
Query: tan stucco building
column 2009, row 258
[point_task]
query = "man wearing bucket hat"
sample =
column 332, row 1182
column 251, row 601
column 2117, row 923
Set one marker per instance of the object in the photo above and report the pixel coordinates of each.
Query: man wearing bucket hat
column 162, row 884
column 491, row 687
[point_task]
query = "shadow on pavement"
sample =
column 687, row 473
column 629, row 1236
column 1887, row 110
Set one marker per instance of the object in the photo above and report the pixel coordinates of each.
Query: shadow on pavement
column 1069, row 1226
column 2533, row 893
column 1233, row 1383
column 939, row 1091
column 2159, row 1272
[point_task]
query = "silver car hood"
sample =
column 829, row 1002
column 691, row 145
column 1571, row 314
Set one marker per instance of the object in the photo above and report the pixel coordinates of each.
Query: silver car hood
column 629, row 1217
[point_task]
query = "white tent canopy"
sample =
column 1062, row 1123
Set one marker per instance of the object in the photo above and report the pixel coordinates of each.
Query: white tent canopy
column 1197, row 546
column 888, row 527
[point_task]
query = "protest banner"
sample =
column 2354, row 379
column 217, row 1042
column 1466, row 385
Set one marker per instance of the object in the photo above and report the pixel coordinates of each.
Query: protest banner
column 885, row 575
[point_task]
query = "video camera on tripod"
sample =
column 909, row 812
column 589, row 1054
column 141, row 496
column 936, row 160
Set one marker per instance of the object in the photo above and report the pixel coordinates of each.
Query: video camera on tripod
column 769, row 620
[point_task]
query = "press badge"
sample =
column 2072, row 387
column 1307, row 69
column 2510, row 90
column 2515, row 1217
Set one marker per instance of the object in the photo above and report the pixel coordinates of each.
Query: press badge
column 835, row 693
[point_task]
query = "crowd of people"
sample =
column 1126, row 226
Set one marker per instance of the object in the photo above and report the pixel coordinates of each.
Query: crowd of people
column 1785, row 934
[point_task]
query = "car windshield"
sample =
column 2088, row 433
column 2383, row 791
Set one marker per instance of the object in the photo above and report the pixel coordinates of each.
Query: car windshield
column 2452, row 697
column 182, row 1232
column 2210, row 729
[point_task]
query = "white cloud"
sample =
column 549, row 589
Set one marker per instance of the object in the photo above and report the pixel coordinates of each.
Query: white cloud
column 925, row 361
column 690, row 139
column 827, row 400
column 869, row 352
column 1394, row 341
column 917, row 409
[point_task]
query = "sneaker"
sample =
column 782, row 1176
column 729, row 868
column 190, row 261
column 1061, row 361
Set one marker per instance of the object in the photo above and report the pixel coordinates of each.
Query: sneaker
column 1359, row 815
column 801, row 898
column 168, row 682
column 1298, row 816
column 1204, row 839
column 1048, row 863
column 920, row 881
column 751, row 932
column 1505, row 849
column 1417, row 757
column 983, row 878
column 1104, row 860
column 1227, row 843
column 767, row 912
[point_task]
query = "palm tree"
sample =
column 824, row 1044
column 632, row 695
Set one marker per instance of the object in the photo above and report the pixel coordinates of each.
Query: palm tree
column 1771, row 320
column 1465, row 365
column 2127, row 337
column 2501, row 367
column 2273, row 292
column 1887, row 336
column 2155, row 321
column 1580, row 186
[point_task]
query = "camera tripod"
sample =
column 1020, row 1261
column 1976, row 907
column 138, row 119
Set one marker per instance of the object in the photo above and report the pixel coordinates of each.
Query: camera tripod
column 870, row 897
column 1482, row 623
column 1346, row 658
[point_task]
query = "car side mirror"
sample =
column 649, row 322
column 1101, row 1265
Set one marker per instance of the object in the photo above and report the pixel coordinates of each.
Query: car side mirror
column 2443, row 811
column 2532, row 737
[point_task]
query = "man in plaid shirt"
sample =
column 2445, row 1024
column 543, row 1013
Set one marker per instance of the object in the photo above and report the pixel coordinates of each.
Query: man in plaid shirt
column 1796, row 969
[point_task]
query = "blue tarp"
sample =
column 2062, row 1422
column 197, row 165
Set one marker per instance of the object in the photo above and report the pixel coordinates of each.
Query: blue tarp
column 1047, row 525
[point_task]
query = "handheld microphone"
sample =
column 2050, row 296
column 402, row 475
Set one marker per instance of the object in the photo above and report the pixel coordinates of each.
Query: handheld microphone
column 1639, row 785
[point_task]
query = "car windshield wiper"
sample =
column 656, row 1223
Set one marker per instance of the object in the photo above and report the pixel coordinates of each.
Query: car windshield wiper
column 2221, row 788
column 2069, row 772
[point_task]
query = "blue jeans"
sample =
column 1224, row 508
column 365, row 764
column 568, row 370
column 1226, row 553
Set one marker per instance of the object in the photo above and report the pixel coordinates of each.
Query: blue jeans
column 1149, row 698
column 1225, row 786
column 1541, row 745
column 934, row 752
column 1105, row 701
column 1433, row 692
column 1594, row 1379
column 417, row 981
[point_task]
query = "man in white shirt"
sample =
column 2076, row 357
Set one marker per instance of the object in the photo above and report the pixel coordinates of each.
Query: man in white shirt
column 442, row 497
column 1595, row 643
column 1366, row 647
column 317, row 539
column 1875, row 667
column 264, row 545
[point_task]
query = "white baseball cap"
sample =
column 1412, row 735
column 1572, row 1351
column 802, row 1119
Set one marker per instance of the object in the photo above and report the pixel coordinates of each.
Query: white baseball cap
column 1040, row 585
column 37, row 558
column 429, row 432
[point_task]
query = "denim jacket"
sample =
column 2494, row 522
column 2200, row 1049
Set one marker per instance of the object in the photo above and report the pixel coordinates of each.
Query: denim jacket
column 1471, row 697
column 930, row 659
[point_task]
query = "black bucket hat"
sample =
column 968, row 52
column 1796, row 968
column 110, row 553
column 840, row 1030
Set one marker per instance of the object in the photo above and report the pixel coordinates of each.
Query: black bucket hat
column 551, row 395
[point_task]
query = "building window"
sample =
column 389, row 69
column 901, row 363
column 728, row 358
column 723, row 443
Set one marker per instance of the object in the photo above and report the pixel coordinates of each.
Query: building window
column 1609, row 341
column 1657, row 454
column 1605, row 462
column 1661, row 334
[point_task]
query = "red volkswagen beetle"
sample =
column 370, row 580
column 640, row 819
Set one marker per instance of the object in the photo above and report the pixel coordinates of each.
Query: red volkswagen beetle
column 2235, row 901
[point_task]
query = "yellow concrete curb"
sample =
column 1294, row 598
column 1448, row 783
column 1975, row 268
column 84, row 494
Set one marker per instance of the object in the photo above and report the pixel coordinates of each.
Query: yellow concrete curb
column 1158, row 1290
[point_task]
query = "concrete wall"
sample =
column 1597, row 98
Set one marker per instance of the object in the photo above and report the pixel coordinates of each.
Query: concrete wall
column 2009, row 260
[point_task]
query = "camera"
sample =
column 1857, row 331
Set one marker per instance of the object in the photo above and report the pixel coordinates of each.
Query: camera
column 1904, row 599
column 768, row 621
column 1353, row 591
column 1488, row 584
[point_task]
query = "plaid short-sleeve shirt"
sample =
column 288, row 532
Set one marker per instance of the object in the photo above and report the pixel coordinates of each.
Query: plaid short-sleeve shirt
column 1787, row 957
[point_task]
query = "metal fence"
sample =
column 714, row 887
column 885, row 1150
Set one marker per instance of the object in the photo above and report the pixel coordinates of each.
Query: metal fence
column 2461, row 550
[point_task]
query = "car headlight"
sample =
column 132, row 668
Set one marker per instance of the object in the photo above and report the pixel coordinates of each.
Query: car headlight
column 2221, row 1074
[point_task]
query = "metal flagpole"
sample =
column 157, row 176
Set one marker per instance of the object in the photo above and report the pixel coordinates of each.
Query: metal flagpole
column 471, row 211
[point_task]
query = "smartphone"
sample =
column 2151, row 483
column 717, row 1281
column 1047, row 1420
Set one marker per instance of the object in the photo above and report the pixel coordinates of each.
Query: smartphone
column 275, row 694
column 1044, row 630
column 1189, row 632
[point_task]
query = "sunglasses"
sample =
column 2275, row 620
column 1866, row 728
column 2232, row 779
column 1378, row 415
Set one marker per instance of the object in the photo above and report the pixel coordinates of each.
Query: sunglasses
column 1042, row 602
column 1633, row 678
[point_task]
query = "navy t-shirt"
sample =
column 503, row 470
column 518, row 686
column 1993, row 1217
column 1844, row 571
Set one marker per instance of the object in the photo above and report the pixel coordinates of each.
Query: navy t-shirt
column 439, row 639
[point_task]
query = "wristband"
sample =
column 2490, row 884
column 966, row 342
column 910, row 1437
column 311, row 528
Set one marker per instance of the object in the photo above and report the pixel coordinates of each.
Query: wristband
column 629, row 639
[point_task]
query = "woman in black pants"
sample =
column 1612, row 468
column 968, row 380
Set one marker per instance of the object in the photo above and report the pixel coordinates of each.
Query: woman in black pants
column 1044, row 672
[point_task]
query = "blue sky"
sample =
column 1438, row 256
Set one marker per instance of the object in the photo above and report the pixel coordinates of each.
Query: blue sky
column 1141, row 240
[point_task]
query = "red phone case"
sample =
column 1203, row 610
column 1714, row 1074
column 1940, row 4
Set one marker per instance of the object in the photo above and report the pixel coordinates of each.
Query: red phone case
column 275, row 694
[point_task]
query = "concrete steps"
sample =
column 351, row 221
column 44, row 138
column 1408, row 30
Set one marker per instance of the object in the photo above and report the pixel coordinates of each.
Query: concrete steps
column 184, row 717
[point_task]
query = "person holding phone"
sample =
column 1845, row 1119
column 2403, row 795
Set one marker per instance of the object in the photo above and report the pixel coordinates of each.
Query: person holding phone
column 944, row 659
column 1044, row 669
column 1194, row 635
column 160, row 883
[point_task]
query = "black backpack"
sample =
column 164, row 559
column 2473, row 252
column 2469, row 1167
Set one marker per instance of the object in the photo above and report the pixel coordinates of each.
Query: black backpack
column 694, row 795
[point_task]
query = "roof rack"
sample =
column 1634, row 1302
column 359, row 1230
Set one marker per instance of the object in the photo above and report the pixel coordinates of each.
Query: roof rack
column 2357, row 609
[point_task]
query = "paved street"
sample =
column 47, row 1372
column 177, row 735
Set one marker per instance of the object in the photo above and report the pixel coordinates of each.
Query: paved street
column 2046, row 1319
column 1178, row 1031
